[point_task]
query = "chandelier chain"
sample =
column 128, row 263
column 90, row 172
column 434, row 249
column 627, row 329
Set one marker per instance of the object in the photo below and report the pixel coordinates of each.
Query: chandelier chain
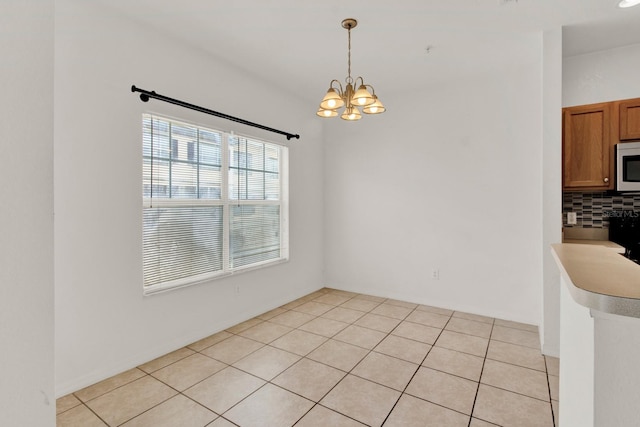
column 349, row 79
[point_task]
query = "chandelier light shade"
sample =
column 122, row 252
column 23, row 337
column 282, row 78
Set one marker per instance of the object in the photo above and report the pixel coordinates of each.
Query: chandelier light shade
column 326, row 112
column 351, row 113
column 348, row 97
column 332, row 100
column 375, row 108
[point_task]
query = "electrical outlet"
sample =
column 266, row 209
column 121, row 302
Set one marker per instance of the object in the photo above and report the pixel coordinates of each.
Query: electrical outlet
column 572, row 218
column 435, row 274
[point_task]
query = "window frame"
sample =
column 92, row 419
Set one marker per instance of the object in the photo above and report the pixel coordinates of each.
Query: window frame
column 225, row 201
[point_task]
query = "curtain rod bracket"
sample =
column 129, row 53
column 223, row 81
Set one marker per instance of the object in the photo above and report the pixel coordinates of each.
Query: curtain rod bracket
column 145, row 95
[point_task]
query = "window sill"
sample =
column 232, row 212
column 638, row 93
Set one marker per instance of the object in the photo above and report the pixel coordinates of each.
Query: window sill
column 179, row 284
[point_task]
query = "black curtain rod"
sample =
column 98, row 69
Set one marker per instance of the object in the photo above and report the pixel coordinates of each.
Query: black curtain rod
column 145, row 95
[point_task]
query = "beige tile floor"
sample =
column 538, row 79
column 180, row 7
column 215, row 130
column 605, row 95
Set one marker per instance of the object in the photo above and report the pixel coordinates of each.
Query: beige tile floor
column 334, row 358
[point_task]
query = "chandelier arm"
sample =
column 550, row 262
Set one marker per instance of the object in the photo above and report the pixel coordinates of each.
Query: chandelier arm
column 339, row 88
column 373, row 91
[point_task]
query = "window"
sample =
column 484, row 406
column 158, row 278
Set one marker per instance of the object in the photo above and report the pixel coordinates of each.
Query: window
column 219, row 209
column 191, row 151
column 174, row 148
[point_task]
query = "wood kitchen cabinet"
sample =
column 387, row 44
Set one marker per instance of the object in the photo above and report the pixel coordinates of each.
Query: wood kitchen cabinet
column 588, row 143
column 629, row 111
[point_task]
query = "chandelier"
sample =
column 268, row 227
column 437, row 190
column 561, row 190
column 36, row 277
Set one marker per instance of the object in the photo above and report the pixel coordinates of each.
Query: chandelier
column 349, row 98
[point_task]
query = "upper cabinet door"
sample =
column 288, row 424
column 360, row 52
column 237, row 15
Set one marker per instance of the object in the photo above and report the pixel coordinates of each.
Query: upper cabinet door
column 588, row 147
column 630, row 120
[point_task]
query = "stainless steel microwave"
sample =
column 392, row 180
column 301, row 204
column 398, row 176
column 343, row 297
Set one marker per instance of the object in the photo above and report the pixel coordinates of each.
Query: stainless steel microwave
column 628, row 166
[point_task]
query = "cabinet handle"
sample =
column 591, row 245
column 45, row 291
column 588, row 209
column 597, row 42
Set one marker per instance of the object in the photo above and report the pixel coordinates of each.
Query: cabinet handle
column 606, row 180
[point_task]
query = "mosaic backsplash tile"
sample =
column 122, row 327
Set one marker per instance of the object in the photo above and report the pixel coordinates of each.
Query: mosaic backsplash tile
column 593, row 209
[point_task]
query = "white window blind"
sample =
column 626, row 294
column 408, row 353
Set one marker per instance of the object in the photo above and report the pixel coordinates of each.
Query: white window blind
column 213, row 203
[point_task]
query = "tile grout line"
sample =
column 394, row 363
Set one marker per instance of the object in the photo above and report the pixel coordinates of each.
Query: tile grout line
column 94, row 413
column 351, row 370
column 276, row 385
column 72, row 407
column 438, row 370
column 109, row 391
column 148, row 409
column 354, row 366
column 204, row 379
column 329, row 409
column 226, row 419
column 513, row 364
column 553, row 415
column 209, row 376
column 403, row 392
column 178, row 393
column 317, row 403
column 289, row 391
column 473, row 406
column 518, row 393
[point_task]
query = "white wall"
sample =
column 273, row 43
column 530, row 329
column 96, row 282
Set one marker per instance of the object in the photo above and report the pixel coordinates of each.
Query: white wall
column 449, row 179
column 577, row 361
column 26, row 225
column 616, row 377
column 551, row 187
column 602, row 76
column 103, row 323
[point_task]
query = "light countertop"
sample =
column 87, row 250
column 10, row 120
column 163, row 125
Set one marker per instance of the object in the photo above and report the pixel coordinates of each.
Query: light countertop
column 606, row 243
column 599, row 277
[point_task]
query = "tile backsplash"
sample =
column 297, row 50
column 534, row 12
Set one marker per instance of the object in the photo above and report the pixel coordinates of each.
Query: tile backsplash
column 593, row 209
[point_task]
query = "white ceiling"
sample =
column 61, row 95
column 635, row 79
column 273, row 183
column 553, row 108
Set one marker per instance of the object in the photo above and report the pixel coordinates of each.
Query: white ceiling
column 617, row 30
column 300, row 46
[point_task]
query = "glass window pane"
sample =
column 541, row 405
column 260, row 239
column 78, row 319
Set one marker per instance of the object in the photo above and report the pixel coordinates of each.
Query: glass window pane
column 254, row 234
column 174, row 149
column 181, row 137
column 160, row 174
column 155, row 134
column 180, row 242
column 184, row 180
column 191, row 151
column 271, row 186
column 237, row 184
column 210, row 137
column 237, row 155
column 183, row 132
column 258, row 158
column 210, row 147
column 210, row 182
column 255, row 185
column 255, row 155
column 272, row 162
column 210, row 154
